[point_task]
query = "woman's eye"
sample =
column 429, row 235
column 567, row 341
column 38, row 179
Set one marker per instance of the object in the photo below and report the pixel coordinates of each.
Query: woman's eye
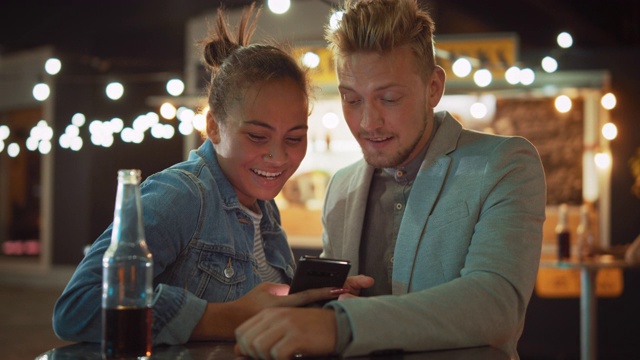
column 255, row 137
column 294, row 140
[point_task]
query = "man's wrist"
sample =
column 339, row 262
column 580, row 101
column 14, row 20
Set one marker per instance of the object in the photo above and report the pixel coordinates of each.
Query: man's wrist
column 343, row 327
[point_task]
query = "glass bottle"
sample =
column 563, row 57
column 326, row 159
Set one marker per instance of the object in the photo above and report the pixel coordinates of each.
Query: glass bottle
column 562, row 233
column 585, row 238
column 127, row 288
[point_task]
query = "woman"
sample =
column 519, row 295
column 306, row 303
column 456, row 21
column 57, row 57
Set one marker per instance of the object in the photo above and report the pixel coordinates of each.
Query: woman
column 220, row 254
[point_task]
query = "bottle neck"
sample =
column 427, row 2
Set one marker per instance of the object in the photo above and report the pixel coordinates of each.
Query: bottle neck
column 563, row 219
column 127, row 219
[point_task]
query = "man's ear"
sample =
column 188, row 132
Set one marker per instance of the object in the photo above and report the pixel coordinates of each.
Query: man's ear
column 213, row 130
column 436, row 86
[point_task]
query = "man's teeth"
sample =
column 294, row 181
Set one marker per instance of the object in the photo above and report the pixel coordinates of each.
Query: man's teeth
column 379, row 139
column 267, row 174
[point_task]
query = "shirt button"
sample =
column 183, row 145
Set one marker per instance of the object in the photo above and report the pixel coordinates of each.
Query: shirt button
column 228, row 272
column 398, row 206
column 399, row 173
column 391, row 260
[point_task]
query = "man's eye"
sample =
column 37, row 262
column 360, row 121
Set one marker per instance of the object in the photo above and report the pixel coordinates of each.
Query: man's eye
column 350, row 101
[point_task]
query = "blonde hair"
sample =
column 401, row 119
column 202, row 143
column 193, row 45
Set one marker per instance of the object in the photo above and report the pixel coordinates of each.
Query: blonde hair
column 381, row 26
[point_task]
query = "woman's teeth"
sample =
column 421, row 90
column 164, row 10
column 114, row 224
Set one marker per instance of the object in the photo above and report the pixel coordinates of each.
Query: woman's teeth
column 268, row 175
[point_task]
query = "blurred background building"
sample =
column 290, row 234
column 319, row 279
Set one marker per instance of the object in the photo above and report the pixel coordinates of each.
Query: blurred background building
column 87, row 88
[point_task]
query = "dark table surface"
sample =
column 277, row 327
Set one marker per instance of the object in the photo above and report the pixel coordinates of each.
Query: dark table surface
column 224, row 350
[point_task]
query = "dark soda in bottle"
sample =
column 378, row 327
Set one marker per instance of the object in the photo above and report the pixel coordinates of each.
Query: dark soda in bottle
column 127, row 271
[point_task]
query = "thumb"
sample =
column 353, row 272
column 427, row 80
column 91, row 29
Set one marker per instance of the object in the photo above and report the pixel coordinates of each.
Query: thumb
column 358, row 282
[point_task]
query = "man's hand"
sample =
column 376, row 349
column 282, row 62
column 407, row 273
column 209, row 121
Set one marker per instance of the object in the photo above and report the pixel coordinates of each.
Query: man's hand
column 282, row 333
column 356, row 283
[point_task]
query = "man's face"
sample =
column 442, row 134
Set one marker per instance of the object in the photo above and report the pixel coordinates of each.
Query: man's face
column 388, row 106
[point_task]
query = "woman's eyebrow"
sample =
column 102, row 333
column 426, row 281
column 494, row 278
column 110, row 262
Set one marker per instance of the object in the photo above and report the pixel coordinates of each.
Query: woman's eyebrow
column 270, row 127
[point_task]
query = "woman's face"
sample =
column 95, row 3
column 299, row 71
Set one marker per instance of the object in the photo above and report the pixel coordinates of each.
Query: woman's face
column 263, row 139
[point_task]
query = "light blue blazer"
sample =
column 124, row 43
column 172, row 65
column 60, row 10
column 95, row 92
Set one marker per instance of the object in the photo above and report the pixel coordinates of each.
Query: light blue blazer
column 468, row 248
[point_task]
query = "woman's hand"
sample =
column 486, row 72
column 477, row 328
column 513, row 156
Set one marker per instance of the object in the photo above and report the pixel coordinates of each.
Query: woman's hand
column 220, row 320
column 267, row 295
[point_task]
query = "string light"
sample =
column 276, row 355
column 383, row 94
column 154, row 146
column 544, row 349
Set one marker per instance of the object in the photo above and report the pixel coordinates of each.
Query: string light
column 168, row 111
column 565, row 40
column 330, row 120
column 609, row 131
column 335, row 19
column 279, row 6
column 41, row 91
column 482, row 77
column 527, row 76
column 311, row 60
column 52, row 66
column 563, row 103
column 175, row 87
column 608, row 101
column 461, row 67
column 478, row 110
column 549, row 64
column 114, row 90
column 190, row 121
column 602, row 160
column 13, row 149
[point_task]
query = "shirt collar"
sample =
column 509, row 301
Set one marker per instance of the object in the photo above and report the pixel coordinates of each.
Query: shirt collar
column 406, row 174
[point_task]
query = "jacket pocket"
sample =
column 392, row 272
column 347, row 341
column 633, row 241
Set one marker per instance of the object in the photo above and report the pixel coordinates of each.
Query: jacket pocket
column 222, row 276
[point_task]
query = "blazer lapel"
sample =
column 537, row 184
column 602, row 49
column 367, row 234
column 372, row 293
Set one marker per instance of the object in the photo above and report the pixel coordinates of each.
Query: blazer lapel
column 424, row 194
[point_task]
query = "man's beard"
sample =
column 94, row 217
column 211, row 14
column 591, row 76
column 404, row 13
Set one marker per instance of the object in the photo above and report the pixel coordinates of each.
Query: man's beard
column 396, row 159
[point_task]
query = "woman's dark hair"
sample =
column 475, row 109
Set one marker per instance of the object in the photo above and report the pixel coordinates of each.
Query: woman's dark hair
column 235, row 65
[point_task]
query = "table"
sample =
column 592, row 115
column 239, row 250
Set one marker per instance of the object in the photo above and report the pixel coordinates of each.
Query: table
column 224, row 351
column 588, row 300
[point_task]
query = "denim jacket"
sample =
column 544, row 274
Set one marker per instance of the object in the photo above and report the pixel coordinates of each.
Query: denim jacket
column 202, row 246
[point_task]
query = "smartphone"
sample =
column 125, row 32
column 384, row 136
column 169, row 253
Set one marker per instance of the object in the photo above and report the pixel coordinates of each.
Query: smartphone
column 314, row 272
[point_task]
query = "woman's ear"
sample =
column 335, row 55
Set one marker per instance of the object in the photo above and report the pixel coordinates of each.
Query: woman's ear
column 213, row 130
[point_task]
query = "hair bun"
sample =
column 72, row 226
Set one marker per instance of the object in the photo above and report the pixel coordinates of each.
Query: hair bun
column 216, row 51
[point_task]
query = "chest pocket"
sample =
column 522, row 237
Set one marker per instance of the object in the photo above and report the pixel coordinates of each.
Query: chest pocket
column 221, row 277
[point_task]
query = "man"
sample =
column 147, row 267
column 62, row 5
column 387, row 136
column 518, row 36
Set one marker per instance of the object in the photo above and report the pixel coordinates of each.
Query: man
column 447, row 221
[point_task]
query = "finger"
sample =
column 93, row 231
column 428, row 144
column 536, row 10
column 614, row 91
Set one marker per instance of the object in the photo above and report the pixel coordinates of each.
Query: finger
column 307, row 332
column 310, row 296
column 237, row 350
column 286, row 349
column 276, row 289
column 246, row 332
column 257, row 336
column 346, row 296
column 265, row 340
column 358, row 282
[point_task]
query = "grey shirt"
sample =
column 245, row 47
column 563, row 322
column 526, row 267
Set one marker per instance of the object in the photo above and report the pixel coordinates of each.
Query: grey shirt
column 388, row 195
